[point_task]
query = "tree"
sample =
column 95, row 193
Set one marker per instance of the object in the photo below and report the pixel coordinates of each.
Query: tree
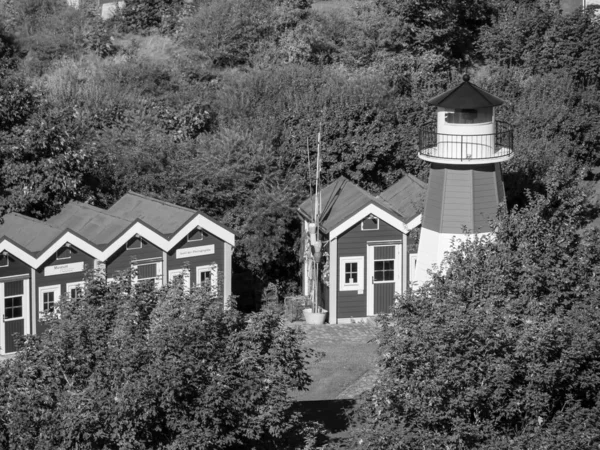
column 133, row 367
column 450, row 28
column 502, row 351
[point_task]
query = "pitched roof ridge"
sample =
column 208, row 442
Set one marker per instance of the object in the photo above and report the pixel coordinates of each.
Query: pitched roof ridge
column 99, row 210
column 164, row 202
column 32, row 219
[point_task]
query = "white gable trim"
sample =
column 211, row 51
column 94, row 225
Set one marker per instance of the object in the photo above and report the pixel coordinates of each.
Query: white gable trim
column 76, row 241
column 205, row 224
column 370, row 209
column 19, row 253
column 138, row 228
column 415, row 222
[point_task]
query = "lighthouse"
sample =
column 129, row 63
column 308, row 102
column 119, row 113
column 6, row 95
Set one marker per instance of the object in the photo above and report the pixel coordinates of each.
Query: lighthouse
column 465, row 146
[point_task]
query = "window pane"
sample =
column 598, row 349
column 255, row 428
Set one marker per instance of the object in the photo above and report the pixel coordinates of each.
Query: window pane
column 48, row 302
column 384, row 271
column 13, row 307
column 205, row 277
column 351, row 273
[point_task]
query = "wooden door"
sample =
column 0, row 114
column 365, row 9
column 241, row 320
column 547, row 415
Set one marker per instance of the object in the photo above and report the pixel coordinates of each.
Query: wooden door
column 383, row 276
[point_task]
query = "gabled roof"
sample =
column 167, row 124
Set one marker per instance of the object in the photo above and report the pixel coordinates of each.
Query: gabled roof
column 406, row 196
column 92, row 223
column 31, row 234
column 342, row 199
column 465, row 96
column 100, row 233
column 165, row 217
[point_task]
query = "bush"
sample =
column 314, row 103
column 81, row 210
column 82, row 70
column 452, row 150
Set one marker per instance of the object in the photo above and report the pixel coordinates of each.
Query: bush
column 503, row 350
column 138, row 368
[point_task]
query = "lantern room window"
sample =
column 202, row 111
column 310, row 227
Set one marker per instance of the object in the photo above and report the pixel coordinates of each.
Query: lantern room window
column 469, row 116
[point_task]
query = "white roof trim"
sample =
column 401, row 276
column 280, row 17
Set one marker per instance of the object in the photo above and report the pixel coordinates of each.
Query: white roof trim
column 58, row 244
column 138, row 228
column 19, row 253
column 376, row 211
column 415, row 222
column 205, row 224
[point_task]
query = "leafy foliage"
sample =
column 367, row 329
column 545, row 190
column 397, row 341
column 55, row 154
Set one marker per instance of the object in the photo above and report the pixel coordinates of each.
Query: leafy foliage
column 503, row 349
column 138, row 368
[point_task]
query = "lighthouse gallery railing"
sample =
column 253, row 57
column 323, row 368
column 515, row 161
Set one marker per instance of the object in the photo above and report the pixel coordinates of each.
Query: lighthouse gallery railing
column 466, row 147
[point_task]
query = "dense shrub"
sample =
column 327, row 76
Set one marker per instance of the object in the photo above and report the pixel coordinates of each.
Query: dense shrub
column 502, row 351
column 138, row 368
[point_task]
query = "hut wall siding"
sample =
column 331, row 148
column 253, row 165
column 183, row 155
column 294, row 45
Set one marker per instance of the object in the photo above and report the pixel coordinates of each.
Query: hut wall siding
column 354, row 243
column 205, row 260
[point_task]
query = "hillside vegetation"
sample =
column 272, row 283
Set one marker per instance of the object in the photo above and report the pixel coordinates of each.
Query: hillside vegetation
column 214, row 104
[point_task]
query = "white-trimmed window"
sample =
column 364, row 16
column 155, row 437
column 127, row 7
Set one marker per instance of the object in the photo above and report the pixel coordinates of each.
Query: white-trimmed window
column 207, row 276
column 63, row 253
column 75, row 290
column 370, row 223
column 352, row 273
column 383, row 271
column 13, row 300
column 134, row 243
column 4, row 260
column 195, row 235
column 49, row 297
column 145, row 271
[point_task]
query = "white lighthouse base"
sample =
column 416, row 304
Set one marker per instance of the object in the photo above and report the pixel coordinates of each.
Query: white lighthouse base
column 432, row 249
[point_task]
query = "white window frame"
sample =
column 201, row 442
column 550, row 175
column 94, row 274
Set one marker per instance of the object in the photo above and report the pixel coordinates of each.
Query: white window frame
column 214, row 273
column 141, row 241
column 64, row 257
column 74, row 285
column 362, row 222
column 7, row 260
column 393, row 280
column 195, row 240
column 359, row 285
column 157, row 278
column 55, row 288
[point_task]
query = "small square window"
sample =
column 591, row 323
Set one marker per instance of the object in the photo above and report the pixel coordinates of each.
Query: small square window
column 351, row 273
column 384, row 270
column 13, row 307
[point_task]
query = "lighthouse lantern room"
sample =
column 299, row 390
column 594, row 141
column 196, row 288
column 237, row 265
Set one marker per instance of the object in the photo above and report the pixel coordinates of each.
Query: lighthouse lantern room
column 465, row 147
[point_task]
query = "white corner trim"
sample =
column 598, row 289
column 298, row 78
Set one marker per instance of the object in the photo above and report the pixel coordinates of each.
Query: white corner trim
column 369, row 209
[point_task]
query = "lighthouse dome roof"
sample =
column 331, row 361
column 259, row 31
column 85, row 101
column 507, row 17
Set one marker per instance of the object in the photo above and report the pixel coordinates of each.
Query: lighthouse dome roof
column 466, row 96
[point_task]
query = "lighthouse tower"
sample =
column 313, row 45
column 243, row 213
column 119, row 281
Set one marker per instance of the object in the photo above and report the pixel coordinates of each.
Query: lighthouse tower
column 465, row 147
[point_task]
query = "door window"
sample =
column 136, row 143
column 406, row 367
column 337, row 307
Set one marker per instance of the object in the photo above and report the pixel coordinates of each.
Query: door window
column 384, row 271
